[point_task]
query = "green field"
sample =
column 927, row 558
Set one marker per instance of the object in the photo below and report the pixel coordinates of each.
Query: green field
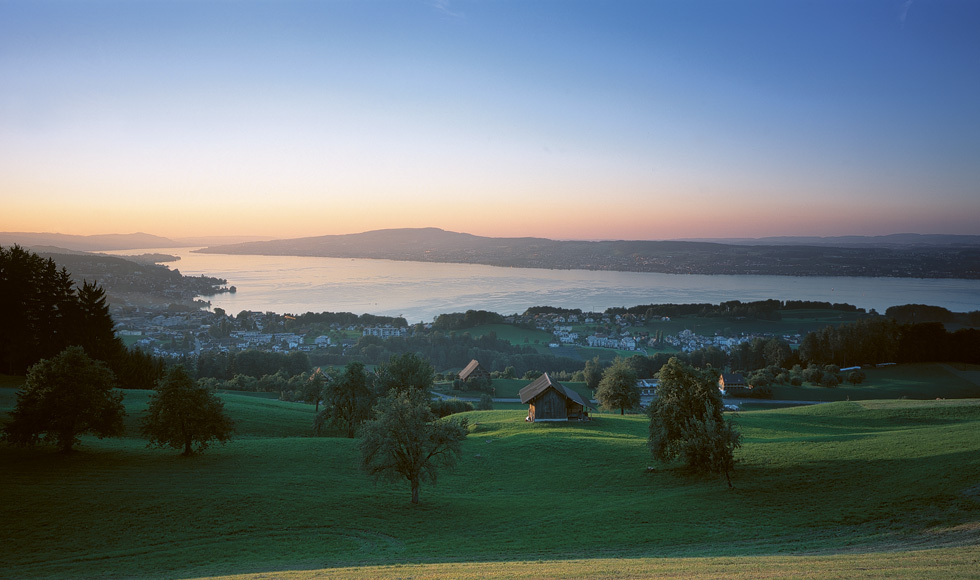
column 912, row 381
column 872, row 489
column 512, row 334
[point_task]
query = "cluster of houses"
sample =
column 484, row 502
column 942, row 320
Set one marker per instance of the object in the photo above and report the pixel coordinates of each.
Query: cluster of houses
column 688, row 341
column 601, row 341
column 174, row 334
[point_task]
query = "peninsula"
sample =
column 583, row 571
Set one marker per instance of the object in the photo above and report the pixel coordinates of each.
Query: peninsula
column 919, row 257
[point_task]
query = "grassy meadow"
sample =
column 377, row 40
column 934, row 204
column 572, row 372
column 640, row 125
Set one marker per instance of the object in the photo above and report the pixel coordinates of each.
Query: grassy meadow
column 869, row 489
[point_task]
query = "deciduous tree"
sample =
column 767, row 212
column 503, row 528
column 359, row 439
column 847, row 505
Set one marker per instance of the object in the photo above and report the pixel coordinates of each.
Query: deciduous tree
column 617, row 389
column 405, row 372
column 686, row 421
column 407, row 441
column 593, row 373
column 66, row 396
column 183, row 415
column 347, row 401
column 313, row 388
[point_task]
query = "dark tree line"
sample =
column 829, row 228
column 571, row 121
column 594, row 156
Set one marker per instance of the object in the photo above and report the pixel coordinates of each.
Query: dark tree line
column 42, row 312
column 880, row 340
column 919, row 313
column 347, row 319
column 249, row 363
column 468, row 319
column 759, row 310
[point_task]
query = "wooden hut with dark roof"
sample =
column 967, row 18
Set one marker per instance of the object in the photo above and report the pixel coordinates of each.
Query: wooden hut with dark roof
column 549, row 400
column 733, row 384
column 473, row 371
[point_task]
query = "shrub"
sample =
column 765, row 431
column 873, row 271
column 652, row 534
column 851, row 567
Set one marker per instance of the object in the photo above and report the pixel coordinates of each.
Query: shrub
column 829, row 380
column 486, row 403
column 759, row 393
column 813, row 374
column 446, row 407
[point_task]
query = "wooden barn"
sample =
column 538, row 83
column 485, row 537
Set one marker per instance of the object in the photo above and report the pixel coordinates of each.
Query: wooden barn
column 549, row 400
column 733, row 384
column 473, row 371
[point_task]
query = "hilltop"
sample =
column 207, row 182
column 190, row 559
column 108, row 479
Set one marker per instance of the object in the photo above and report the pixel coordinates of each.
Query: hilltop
column 86, row 243
column 932, row 258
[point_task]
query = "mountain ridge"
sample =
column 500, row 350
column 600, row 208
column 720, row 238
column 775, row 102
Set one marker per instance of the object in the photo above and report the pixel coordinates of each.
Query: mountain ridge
column 97, row 242
column 668, row 256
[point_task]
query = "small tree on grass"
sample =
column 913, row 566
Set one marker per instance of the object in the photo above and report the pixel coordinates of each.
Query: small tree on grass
column 347, row 401
column 312, row 391
column 486, row 403
column 592, row 373
column 686, row 421
column 405, row 372
column 407, row 441
column 183, row 415
column 617, row 389
column 66, row 396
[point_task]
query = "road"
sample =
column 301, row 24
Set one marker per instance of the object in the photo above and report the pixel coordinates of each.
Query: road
column 644, row 401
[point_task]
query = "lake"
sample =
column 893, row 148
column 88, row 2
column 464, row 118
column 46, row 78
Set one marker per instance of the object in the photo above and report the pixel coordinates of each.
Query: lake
column 419, row 291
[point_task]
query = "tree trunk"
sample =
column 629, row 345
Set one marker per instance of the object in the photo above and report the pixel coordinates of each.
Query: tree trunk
column 622, row 410
column 187, row 447
column 415, row 490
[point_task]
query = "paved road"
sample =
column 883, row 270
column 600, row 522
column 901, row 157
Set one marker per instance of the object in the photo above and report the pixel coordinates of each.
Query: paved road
column 646, row 400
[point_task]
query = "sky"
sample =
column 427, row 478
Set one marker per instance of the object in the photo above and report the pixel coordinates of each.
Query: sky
column 656, row 119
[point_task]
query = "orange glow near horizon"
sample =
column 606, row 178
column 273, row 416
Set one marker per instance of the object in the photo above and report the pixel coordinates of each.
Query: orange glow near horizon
column 617, row 219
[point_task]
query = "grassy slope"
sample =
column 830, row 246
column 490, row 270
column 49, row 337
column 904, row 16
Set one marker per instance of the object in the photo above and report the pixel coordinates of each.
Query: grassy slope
column 952, row 564
column 913, row 381
column 862, row 477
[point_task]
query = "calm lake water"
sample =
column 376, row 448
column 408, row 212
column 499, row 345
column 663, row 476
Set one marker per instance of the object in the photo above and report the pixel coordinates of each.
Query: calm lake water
column 420, row 291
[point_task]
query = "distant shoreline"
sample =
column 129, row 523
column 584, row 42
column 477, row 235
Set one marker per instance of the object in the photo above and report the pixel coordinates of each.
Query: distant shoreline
column 954, row 260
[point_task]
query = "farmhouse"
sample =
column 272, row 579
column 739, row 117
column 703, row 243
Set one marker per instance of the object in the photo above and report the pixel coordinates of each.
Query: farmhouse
column 647, row 387
column 733, row 384
column 549, row 400
column 473, row 371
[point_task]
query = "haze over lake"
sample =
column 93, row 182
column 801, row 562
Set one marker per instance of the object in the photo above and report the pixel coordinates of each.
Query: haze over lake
column 420, row 291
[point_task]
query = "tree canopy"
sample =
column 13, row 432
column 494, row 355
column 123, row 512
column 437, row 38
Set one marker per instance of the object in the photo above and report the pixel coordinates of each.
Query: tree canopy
column 686, row 421
column 183, row 415
column 405, row 440
column 593, row 373
column 43, row 311
column 347, row 401
column 405, row 372
column 617, row 389
column 66, row 396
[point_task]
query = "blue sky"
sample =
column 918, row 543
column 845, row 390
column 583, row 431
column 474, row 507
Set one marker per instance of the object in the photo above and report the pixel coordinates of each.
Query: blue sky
column 645, row 120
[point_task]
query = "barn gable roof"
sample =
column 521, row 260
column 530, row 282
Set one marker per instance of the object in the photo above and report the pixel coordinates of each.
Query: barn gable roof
column 468, row 369
column 542, row 383
column 733, row 379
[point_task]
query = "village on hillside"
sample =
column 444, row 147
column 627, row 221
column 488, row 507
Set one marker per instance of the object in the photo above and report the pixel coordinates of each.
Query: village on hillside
column 174, row 334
